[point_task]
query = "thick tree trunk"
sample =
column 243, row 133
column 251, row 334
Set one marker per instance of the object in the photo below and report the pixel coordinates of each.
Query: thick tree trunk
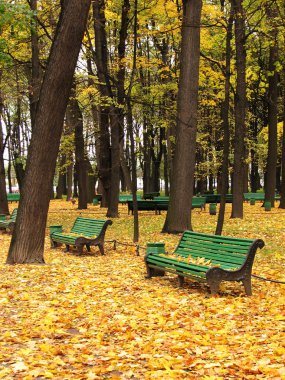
column 27, row 245
column 178, row 216
column 240, row 111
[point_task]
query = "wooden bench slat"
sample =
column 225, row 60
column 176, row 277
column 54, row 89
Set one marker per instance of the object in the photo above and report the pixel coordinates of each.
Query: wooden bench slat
column 221, row 238
column 242, row 249
column 232, row 261
column 211, row 249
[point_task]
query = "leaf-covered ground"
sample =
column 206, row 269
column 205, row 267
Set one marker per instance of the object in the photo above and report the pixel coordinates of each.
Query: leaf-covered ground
column 94, row 317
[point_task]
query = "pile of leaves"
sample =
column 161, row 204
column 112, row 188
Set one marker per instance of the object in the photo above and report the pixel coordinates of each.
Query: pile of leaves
column 97, row 317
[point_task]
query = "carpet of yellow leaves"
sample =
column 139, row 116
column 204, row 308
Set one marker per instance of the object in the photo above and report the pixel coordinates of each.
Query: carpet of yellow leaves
column 94, row 317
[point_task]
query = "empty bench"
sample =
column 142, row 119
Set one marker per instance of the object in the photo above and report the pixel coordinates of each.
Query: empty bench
column 85, row 232
column 8, row 222
column 207, row 258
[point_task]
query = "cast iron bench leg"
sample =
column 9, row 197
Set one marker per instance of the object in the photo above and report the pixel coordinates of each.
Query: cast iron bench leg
column 101, row 248
column 180, row 281
column 152, row 272
column 80, row 249
column 53, row 244
column 247, row 285
column 67, row 248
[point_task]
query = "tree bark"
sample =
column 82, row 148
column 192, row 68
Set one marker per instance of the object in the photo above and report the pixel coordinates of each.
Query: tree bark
column 4, row 209
column 36, row 79
column 270, row 182
column 282, row 192
column 226, row 129
column 240, row 111
column 178, row 216
column 27, row 244
column 75, row 121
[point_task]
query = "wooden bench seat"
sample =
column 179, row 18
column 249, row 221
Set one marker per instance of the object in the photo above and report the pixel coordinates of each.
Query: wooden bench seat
column 8, row 222
column 85, row 231
column 207, row 258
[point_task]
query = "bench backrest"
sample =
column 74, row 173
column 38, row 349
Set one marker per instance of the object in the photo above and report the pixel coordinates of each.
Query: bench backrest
column 151, row 195
column 127, row 197
column 228, row 252
column 87, row 226
column 256, row 196
column 143, row 204
column 198, row 201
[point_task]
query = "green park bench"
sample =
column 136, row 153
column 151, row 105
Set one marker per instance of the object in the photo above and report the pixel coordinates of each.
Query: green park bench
column 159, row 204
column 207, row 258
column 8, row 222
column 85, row 231
column 124, row 198
column 143, row 205
column 255, row 196
column 198, row 202
column 260, row 196
column 216, row 198
column 151, row 195
column 13, row 197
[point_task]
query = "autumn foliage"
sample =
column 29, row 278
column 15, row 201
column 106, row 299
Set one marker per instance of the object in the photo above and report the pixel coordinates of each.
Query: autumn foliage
column 97, row 317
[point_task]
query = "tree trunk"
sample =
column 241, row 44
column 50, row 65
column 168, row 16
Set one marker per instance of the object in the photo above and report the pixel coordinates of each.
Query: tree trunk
column 226, row 129
column 69, row 178
column 36, row 69
column 75, row 121
column 61, row 184
column 113, row 211
column 270, row 183
column 91, row 182
column 4, row 209
column 240, row 111
column 178, row 216
column 282, row 191
column 27, row 244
